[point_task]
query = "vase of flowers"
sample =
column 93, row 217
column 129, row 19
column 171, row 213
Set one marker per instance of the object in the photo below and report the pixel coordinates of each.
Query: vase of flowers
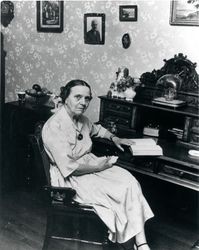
column 129, row 94
column 124, row 85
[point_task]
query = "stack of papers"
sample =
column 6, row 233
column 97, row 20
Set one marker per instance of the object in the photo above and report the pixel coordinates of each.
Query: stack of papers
column 145, row 146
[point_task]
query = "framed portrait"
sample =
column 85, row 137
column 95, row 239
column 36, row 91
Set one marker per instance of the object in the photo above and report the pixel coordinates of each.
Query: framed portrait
column 128, row 13
column 94, row 28
column 50, row 16
column 184, row 12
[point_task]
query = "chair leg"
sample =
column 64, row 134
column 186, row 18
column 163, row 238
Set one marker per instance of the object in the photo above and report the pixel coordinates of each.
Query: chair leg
column 105, row 244
column 46, row 243
column 48, row 233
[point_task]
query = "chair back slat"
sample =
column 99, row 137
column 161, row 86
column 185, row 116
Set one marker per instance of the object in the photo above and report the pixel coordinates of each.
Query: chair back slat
column 42, row 161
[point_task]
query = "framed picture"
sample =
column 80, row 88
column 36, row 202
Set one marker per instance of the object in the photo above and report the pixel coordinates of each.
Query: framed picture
column 94, row 28
column 184, row 12
column 128, row 13
column 50, row 16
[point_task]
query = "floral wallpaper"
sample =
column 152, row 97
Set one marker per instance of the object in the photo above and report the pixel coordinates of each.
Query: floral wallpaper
column 52, row 59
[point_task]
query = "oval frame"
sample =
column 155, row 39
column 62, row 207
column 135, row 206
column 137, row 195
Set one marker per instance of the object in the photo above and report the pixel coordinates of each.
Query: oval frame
column 126, row 41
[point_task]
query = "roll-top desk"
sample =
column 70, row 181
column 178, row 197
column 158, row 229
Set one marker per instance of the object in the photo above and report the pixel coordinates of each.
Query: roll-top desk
column 175, row 165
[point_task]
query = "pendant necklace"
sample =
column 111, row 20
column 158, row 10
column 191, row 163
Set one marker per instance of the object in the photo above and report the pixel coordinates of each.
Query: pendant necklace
column 80, row 137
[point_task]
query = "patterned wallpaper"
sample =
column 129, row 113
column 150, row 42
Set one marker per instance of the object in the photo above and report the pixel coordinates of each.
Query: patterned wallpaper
column 52, row 59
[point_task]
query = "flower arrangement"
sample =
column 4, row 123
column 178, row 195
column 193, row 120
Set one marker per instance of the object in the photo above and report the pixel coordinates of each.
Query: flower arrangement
column 123, row 83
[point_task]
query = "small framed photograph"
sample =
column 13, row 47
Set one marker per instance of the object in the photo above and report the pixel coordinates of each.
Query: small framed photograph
column 94, row 28
column 128, row 13
column 184, row 12
column 50, row 16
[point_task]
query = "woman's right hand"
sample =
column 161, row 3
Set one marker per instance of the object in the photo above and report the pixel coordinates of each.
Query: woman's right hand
column 104, row 164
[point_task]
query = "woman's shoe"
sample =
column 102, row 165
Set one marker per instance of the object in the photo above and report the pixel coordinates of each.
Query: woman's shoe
column 141, row 245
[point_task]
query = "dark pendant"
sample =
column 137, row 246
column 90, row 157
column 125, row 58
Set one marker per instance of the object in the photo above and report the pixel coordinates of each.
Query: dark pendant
column 80, row 137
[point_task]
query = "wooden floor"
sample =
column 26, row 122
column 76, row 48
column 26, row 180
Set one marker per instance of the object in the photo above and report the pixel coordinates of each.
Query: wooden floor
column 23, row 221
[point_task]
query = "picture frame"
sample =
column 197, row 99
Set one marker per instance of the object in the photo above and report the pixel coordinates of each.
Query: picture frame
column 128, row 13
column 184, row 12
column 50, row 16
column 94, row 28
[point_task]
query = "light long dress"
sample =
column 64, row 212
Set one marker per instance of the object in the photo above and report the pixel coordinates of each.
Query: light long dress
column 114, row 193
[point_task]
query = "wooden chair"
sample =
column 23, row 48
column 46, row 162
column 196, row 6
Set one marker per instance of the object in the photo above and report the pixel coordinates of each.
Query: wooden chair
column 66, row 219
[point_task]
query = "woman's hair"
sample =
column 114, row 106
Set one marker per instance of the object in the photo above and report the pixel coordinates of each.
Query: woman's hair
column 65, row 91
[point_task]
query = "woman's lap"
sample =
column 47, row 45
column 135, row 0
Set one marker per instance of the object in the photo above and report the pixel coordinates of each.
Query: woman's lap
column 99, row 186
column 117, row 198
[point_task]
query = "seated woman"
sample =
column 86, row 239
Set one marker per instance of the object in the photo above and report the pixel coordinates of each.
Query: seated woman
column 113, row 192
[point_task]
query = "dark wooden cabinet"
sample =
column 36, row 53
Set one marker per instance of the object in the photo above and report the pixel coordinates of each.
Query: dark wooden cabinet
column 175, row 166
column 19, row 121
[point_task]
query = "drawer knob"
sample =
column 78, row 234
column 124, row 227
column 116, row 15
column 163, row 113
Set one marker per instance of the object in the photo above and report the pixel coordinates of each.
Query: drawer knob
column 181, row 174
column 149, row 164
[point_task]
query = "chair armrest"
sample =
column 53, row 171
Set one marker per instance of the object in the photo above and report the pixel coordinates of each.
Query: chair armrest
column 60, row 194
column 65, row 196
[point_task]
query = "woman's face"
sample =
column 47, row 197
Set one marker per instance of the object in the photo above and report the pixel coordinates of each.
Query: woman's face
column 78, row 100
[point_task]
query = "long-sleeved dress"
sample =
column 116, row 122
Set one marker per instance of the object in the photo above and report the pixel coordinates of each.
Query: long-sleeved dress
column 114, row 193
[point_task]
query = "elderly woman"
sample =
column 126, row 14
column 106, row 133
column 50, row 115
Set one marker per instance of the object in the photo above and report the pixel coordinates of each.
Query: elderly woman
column 113, row 192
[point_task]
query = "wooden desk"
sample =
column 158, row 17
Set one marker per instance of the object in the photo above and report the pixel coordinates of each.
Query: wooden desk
column 130, row 118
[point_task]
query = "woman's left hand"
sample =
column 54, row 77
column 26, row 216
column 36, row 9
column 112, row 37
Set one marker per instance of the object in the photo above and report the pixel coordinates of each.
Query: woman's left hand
column 121, row 141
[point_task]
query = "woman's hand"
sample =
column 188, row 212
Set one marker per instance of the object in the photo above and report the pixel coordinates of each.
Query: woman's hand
column 105, row 163
column 121, row 141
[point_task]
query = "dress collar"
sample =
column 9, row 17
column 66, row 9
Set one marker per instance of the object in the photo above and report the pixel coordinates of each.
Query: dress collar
column 78, row 125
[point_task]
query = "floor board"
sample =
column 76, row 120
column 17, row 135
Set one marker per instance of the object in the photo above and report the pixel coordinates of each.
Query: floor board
column 23, row 221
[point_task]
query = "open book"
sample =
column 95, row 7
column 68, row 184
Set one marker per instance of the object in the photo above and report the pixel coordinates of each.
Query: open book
column 145, row 146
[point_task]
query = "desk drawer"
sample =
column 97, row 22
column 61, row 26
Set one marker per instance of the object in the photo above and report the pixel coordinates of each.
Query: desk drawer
column 194, row 138
column 115, row 107
column 118, row 120
column 178, row 173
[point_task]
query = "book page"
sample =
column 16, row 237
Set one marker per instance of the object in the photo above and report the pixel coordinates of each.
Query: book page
column 143, row 141
column 144, row 147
